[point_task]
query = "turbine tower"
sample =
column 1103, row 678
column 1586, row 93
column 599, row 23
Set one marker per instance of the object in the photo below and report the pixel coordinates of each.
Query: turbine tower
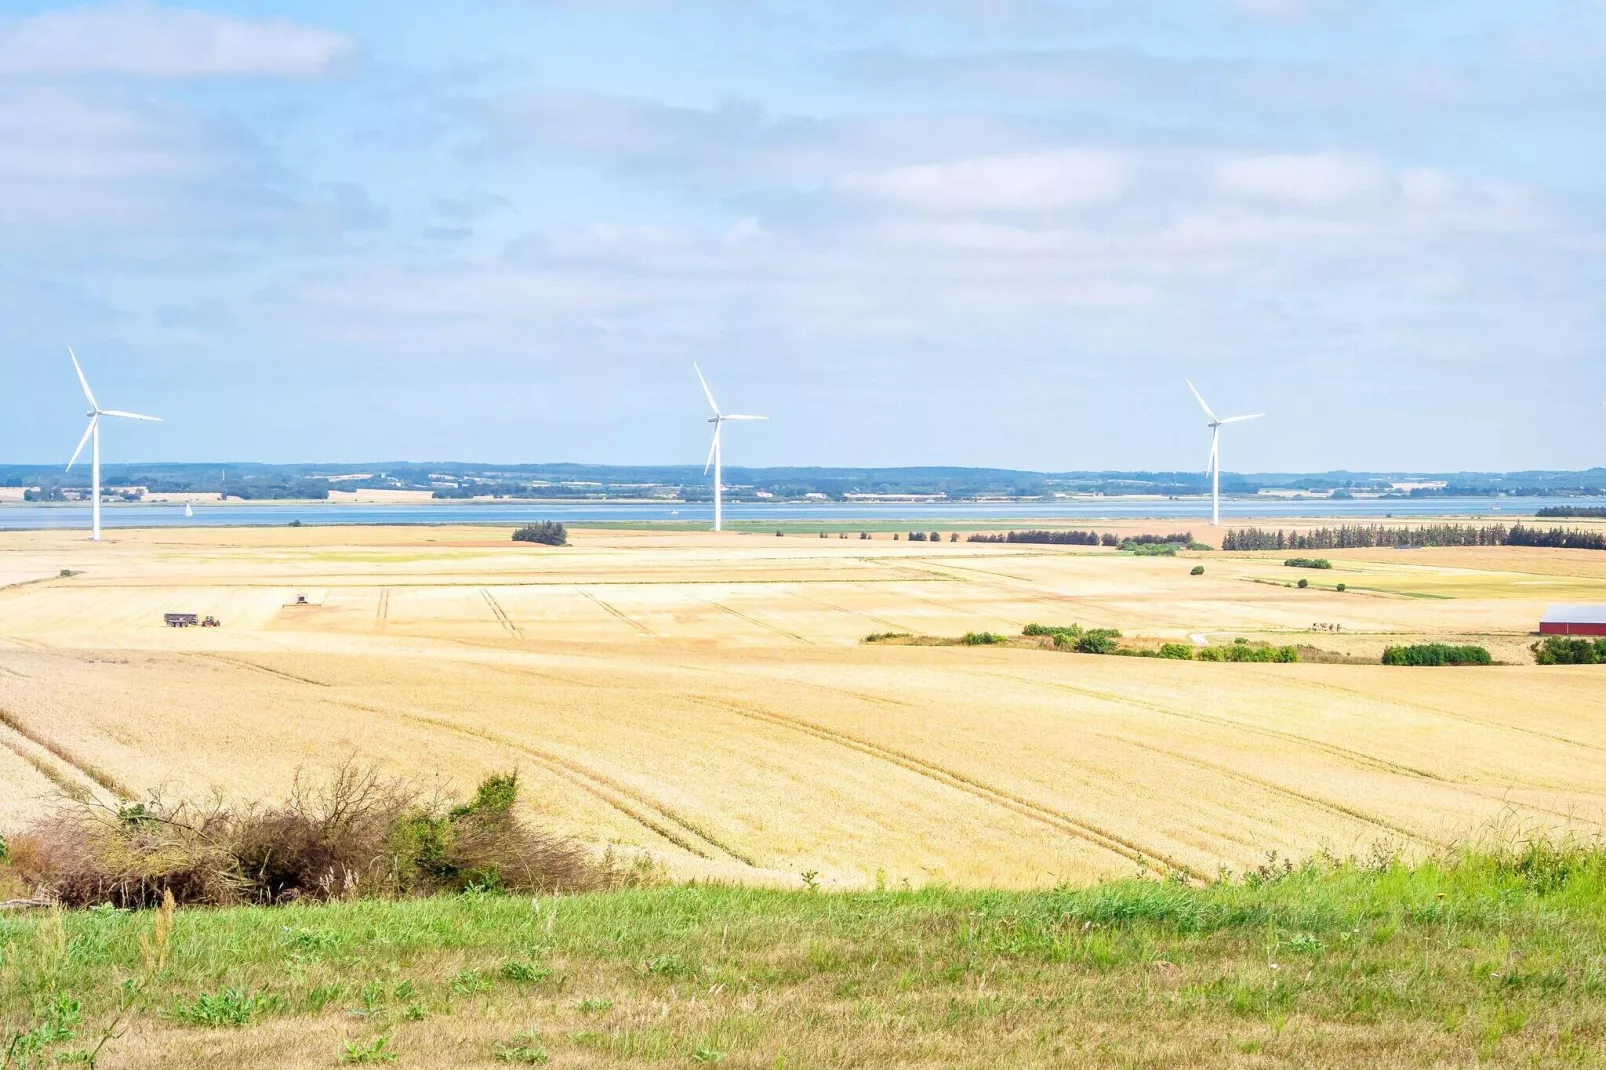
column 716, row 456
column 93, row 431
column 1214, row 471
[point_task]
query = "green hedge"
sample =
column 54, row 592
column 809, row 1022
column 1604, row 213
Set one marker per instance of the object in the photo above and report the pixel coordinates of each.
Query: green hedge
column 1436, row 654
column 1569, row 650
column 1308, row 562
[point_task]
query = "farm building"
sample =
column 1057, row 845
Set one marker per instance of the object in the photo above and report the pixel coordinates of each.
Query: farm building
column 1573, row 620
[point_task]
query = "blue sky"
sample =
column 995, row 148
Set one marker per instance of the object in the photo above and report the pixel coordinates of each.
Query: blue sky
column 990, row 232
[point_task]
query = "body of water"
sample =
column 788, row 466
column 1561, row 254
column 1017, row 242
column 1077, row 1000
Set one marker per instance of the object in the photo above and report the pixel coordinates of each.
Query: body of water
column 1194, row 511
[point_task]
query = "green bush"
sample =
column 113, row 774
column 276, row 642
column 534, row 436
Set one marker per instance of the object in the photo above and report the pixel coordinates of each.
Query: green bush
column 1341, row 588
column 982, row 639
column 1097, row 641
column 1242, row 651
column 1569, row 650
column 1436, row 654
column 882, row 637
column 1303, row 583
column 1061, row 634
column 1149, row 549
column 547, row 533
column 1197, row 570
column 1176, row 651
column 1308, row 562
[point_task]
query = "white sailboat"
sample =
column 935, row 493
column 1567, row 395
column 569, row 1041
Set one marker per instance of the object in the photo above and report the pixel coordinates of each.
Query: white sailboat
column 188, row 512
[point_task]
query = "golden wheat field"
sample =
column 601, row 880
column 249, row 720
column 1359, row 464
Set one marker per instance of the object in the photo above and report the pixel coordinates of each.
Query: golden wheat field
column 705, row 700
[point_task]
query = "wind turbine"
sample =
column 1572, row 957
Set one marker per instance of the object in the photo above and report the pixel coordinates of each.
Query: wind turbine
column 716, row 456
column 93, row 431
column 1214, row 471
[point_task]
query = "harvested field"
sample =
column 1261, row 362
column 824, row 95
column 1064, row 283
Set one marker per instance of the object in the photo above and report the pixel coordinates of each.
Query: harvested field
column 705, row 698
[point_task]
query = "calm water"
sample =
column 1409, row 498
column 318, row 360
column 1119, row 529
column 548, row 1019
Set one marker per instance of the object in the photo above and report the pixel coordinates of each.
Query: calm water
column 1194, row 511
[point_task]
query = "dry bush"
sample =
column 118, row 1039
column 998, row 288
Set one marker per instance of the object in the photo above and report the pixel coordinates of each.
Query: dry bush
column 355, row 835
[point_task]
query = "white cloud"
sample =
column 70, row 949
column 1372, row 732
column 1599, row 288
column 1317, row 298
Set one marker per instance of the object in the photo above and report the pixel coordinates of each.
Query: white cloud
column 148, row 40
column 1028, row 182
column 1315, row 179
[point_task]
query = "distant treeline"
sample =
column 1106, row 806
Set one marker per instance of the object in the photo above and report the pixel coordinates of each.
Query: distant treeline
column 1085, row 538
column 1557, row 512
column 1363, row 536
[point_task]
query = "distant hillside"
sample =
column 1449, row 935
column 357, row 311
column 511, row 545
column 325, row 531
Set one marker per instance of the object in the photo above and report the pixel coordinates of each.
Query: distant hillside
column 459, row 479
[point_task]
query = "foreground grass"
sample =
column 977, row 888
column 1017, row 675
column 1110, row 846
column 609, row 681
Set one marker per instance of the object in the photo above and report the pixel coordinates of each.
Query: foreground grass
column 1481, row 961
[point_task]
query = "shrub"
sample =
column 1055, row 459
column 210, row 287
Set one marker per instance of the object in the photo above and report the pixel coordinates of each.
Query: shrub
column 546, row 532
column 882, row 637
column 1149, row 549
column 1243, row 651
column 1098, row 641
column 1308, row 562
column 1341, row 588
column 1068, row 631
column 982, row 639
column 1197, row 570
column 917, row 536
column 1436, row 654
column 1569, row 650
column 864, row 534
column 935, row 536
column 954, row 537
column 1303, row 583
column 1176, row 651
column 355, row 835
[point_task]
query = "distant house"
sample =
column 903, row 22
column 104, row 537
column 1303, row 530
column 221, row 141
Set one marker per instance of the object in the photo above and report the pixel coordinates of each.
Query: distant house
column 1573, row 620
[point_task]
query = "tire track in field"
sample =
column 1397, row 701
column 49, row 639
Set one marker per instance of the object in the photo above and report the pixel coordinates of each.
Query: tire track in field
column 72, row 789
column 90, row 772
column 1354, row 757
column 823, row 604
column 1055, row 819
column 1279, row 789
column 1449, row 715
column 759, row 623
column 501, row 614
column 382, row 613
column 633, row 622
column 609, row 790
column 241, row 663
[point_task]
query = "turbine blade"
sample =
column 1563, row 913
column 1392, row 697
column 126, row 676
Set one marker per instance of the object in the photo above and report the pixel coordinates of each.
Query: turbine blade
column 744, row 417
column 1215, row 456
column 1202, row 404
column 129, row 415
column 712, row 446
column 709, row 394
column 88, row 396
column 90, row 430
column 1241, row 419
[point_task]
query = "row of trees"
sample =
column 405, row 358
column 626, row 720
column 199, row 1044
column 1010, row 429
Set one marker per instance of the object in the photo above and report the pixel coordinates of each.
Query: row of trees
column 1563, row 511
column 1086, row 538
column 1362, row 536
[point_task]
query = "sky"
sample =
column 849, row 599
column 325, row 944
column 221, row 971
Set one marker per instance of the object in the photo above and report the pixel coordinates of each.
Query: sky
column 960, row 232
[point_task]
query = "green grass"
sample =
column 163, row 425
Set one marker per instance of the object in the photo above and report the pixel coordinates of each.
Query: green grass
column 1495, row 959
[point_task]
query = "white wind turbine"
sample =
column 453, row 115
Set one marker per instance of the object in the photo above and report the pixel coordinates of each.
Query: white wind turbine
column 93, row 431
column 1214, row 471
column 716, row 456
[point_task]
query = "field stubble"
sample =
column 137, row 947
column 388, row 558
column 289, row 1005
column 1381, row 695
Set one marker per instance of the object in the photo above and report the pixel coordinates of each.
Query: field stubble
column 704, row 698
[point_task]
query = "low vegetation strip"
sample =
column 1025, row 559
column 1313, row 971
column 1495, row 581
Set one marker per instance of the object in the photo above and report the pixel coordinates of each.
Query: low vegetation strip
column 1308, row 562
column 1436, row 654
column 355, row 835
column 1569, row 650
column 1560, row 512
column 1487, row 958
